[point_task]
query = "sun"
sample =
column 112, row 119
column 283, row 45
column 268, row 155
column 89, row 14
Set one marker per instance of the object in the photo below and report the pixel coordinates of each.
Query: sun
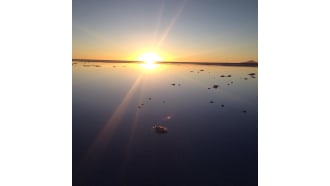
column 150, row 58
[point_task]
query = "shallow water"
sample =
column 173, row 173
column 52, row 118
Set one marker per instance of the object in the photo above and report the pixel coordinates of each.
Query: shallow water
column 212, row 134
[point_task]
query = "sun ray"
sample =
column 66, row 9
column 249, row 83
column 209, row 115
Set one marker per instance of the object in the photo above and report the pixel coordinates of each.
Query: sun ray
column 106, row 133
column 171, row 25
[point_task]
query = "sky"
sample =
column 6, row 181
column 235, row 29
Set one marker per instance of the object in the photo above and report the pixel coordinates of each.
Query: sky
column 177, row 30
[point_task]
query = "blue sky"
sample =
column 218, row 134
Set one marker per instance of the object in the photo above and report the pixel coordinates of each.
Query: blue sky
column 186, row 30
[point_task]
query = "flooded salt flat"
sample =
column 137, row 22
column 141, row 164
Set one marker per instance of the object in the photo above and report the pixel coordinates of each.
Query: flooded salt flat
column 210, row 114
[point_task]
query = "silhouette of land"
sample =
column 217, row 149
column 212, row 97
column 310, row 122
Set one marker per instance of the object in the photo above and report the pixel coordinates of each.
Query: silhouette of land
column 250, row 63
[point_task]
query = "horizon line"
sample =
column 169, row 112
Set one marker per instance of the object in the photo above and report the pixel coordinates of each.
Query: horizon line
column 243, row 63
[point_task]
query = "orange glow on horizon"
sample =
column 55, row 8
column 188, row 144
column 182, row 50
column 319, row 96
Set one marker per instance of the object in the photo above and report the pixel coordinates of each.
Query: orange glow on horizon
column 167, row 55
column 150, row 57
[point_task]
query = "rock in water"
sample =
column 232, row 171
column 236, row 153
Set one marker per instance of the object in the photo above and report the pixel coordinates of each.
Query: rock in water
column 160, row 129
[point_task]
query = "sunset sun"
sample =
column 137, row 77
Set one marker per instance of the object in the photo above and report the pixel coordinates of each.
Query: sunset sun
column 150, row 58
column 162, row 92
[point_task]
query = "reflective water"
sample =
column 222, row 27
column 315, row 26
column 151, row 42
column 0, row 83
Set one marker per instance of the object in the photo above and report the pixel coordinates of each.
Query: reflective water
column 212, row 136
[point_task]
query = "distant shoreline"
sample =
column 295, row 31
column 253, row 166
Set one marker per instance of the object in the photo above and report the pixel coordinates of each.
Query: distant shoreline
column 245, row 64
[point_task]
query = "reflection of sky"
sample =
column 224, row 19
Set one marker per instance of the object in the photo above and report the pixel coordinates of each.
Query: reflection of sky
column 191, row 30
column 110, row 129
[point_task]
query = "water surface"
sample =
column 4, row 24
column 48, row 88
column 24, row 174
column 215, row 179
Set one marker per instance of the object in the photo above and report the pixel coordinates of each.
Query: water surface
column 212, row 131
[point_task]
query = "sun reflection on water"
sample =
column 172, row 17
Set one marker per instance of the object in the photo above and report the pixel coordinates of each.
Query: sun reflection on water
column 149, row 66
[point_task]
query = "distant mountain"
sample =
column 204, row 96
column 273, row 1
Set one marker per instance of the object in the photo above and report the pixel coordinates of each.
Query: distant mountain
column 250, row 61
